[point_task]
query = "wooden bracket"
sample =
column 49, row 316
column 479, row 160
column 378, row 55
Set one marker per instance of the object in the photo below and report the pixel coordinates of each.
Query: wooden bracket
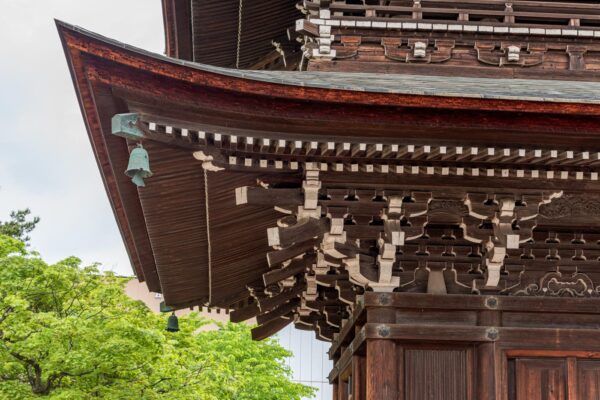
column 418, row 50
column 510, row 54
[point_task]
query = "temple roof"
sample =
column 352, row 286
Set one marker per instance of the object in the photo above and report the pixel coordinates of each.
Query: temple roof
column 538, row 90
column 185, row 234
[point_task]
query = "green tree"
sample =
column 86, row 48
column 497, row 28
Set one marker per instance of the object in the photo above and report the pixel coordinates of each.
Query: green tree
column 70, row 332
column 19, row 225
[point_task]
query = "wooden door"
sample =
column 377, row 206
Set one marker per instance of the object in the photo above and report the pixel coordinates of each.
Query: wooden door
column 588, row 380
column 567, row 378
column 541, row 379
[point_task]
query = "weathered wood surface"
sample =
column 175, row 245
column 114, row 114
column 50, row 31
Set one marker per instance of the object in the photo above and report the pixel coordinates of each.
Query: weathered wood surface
column 267, row 130
column 488, row 357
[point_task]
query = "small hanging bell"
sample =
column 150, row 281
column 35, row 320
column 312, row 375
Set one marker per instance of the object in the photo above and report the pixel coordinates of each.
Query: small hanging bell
column 173, row 323
column 138, row 168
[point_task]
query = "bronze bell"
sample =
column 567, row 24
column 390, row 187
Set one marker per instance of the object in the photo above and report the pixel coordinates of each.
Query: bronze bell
column 173, row 323
column 138, row 168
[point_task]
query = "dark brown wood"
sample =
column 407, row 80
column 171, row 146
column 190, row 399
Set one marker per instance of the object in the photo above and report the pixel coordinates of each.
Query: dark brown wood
column 359, row 378
column 244, row 314
column 503, row 358
column 382, row 370
column 541, row 379
column 447, row 244
column 588, row 381
column 270, row 328
column 437, row 373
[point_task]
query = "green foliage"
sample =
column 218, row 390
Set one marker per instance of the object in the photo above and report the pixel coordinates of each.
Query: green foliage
column 70, row 332
column 19, row 226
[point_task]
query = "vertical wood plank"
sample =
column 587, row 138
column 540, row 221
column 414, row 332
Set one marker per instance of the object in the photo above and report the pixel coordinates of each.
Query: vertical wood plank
column 382, row 370
column 486, row 371
column 588, row 379
column 488, row 374
column 436, row 373
column 541, row 379
column 335, row 391
column 572, row 380
column 359, row 377
column 400, row 354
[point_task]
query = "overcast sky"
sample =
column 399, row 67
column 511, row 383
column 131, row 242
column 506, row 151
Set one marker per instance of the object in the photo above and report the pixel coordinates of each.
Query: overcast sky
column 46, row 161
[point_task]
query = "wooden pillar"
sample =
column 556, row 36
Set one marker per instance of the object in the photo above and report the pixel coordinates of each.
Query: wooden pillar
column 487, row 369
column 382, row 370
column 382, row 360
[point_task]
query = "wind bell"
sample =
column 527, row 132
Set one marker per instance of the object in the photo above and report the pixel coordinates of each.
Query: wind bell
column 138, row 168
column 173, row 323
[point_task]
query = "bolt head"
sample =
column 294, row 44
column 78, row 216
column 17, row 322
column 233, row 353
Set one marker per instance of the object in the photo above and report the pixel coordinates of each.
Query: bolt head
column 384, row 299
column 491, row 302
column 493, row 334
column 384, row 331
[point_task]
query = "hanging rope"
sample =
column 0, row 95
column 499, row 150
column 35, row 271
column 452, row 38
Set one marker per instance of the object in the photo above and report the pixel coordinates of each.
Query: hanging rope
column 239, row 37
column 208, row 245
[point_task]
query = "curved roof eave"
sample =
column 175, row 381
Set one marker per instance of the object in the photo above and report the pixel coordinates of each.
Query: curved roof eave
column 523, row 95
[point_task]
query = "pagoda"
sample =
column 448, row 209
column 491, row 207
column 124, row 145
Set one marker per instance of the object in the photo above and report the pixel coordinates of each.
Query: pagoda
column 415, row 181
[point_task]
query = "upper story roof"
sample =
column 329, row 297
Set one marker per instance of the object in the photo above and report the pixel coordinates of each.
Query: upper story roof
column 226, row 33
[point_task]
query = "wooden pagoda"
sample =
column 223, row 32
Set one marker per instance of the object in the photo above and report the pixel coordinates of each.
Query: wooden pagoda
column 416, row 181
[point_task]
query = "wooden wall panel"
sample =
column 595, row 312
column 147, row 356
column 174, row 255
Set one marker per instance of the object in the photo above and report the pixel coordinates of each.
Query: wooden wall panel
column 541, row 379
column 436, row 374
column 588, row 380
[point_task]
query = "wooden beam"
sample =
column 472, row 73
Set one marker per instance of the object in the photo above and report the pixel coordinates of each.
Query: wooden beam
column 270, row 328
column 297, row 266
column 279, row 312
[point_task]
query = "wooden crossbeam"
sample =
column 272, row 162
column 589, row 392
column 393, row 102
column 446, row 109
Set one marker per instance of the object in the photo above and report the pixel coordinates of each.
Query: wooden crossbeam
column 301, row 232
column 270, row 328
column 267, row 304
column 281, row 311
column 258, row 196
column 278, row 257
column 296, row 267
column 245, row 313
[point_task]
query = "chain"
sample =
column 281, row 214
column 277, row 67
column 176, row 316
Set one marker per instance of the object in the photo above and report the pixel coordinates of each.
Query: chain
column 239, row 38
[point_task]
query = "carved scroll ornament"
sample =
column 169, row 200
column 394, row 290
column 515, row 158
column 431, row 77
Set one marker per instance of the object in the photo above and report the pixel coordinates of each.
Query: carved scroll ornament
column 572, row 206
column 557, row 284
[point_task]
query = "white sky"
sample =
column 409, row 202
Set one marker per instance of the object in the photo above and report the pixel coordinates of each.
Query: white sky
column 46, row 161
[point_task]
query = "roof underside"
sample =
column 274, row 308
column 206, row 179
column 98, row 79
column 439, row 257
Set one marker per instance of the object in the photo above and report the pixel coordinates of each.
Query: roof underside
column 166, row 225
column 226, row 33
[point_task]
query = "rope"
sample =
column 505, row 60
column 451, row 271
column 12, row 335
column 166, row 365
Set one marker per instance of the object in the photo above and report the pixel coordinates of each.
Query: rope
column 239, row 37
column 208, row 245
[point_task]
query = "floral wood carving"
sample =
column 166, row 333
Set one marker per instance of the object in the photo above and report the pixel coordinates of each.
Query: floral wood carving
column 571, row 206
column 557, row 284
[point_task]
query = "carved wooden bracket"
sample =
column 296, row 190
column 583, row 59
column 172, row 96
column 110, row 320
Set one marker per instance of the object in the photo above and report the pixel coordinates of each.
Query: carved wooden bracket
column 510, row 54
column 349, row 48
column 576, row 57
column 511, row 226
column 334, row 243
column 417, row 50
